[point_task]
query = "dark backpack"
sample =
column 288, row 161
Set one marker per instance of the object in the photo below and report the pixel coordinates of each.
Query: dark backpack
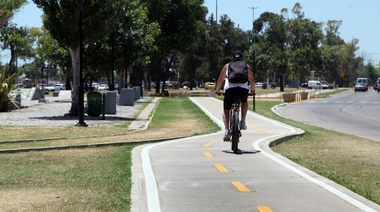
column 237, row 72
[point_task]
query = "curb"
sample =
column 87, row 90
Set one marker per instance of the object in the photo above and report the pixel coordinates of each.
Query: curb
column 87, row 145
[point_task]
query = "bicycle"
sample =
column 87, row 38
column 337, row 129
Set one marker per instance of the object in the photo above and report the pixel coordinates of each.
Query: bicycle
column 234, row 122
column 234, row 125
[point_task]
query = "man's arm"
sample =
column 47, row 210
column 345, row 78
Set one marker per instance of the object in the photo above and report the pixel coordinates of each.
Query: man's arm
column 221, row 79
column 251, row 79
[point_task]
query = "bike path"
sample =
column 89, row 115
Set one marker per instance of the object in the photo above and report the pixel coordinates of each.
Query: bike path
column 202, row 174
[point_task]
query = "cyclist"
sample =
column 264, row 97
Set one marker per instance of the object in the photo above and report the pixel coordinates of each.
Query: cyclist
column 234, row 89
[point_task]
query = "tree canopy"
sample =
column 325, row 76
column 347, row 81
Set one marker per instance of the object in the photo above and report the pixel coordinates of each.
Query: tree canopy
column 146, row 41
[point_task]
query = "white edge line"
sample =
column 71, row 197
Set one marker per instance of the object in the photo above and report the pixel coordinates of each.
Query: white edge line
column 219, row 122
column 150, row 181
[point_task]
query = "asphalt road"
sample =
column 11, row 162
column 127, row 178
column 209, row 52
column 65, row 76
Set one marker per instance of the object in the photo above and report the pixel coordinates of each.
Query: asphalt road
column 353, row 113
column 202, row 174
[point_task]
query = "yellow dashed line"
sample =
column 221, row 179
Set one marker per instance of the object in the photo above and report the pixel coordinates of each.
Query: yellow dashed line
column 208, row 144
column 208, row 155
column 240, row 187
column 261, row 130
column 263, row 208
column 221, row 168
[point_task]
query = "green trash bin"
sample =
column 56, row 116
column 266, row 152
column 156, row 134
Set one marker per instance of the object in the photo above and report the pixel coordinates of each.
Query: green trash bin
column 94, row 104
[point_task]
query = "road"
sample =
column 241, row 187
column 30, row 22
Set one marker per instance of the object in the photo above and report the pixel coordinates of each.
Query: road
column 353, row 113
column 202, row 174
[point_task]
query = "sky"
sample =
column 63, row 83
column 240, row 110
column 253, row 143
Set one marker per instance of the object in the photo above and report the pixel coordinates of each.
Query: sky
column 360, row 18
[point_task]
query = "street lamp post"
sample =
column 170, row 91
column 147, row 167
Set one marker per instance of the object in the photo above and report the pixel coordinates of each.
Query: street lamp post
column 253, row 54
column 81, row 90
column 112, row 85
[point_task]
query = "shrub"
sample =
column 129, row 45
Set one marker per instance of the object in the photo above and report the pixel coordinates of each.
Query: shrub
column 7, row 84
column 273, row 85
column 186, row 83
column 175, row 84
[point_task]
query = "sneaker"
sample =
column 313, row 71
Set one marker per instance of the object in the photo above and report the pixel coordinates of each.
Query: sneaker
column 227, row 135
column 242, row 125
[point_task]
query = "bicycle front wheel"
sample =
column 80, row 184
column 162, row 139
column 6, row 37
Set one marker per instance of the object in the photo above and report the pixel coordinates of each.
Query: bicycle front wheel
column 235, row 132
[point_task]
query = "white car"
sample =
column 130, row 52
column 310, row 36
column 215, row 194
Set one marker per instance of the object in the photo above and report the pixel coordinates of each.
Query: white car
column 102, row 87
column 49, row 88
column 95, row 86
column 258, row 84
column 59, row 87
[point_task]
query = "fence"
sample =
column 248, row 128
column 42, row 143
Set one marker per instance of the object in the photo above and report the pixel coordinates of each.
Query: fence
column 295, row 96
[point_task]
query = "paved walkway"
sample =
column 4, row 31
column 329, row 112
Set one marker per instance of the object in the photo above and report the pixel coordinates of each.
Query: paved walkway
column 51, row 112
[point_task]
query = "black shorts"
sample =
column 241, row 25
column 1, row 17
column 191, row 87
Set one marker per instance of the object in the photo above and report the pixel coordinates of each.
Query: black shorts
column 229, row 96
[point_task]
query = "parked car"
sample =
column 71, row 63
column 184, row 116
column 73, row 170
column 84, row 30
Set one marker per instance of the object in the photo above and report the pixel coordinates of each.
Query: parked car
column 326, row 85
column 361, row 84
column 258, row 85
column 210, row 85
column 59, row 87
column 315, row 84
column 42, row 87
column 103, row 87
column 95, row 86
column 49, row 88
column 376, row 87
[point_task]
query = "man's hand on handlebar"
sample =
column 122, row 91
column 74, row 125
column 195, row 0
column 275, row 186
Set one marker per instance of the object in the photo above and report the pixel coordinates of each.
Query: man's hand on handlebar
column 251, row 93
column 218, row 92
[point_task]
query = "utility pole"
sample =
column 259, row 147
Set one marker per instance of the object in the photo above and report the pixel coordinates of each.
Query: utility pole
column 253, row 15
column 216, row 13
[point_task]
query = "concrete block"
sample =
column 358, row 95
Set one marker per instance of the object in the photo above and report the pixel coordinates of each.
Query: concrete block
column 110, row 102
column 127, row 97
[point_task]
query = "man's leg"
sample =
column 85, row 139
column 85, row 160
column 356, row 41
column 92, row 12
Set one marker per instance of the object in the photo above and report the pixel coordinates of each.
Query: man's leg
column 244, row 109
column 226, row 120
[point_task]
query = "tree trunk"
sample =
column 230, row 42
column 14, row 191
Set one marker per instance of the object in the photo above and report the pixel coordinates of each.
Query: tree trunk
column 12, row 68
column 282, row 83
column 74, row 52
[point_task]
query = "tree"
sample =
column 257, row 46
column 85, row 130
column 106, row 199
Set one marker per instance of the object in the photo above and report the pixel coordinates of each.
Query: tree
column 12, row 38
column 8, row 8
column 62, row 21
column 330, row 45
column 273, row 41
column 348, row 62
column 176, row 19
column 305, row 37
column 48, row 50
column 19, row 42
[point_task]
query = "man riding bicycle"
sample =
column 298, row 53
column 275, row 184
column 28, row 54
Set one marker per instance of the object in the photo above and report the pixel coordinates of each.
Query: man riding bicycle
column 233, row 88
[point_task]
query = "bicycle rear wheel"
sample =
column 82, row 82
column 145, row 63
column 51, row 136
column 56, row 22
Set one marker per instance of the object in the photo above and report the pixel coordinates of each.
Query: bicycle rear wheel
column 235, row 132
